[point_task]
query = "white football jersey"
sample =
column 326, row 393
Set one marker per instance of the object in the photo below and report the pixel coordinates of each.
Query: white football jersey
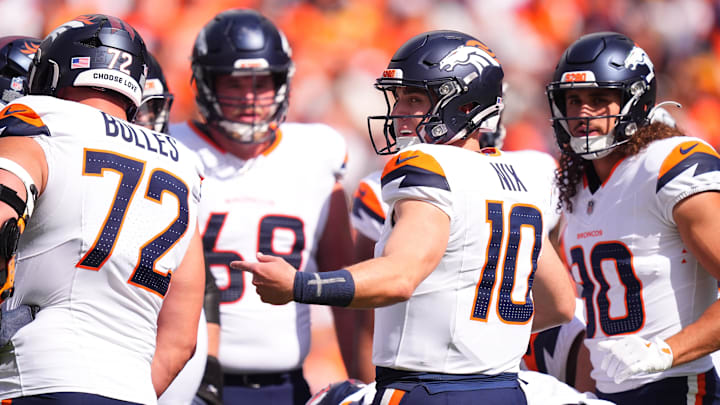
column 549, row 350
column 276, row 203
column 625, row 250
column 97, row 256
column 368, row 208
column 473, row 313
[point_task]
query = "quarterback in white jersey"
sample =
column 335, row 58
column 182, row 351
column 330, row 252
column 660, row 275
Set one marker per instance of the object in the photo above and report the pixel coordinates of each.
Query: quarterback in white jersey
column 279, row 199
column 460, row 306
column 641, row 205
column 458, row 265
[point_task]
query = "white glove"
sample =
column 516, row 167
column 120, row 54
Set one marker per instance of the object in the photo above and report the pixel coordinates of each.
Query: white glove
column 632, row 355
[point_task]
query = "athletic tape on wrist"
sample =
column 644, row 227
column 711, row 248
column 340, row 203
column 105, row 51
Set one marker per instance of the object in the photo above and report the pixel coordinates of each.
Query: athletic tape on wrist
column 336, row 288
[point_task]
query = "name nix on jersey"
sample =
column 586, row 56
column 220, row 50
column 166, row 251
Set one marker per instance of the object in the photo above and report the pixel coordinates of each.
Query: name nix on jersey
column 425, row 171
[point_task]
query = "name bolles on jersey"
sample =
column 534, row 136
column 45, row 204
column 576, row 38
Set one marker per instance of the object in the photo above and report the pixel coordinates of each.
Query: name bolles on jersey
column 142, row 138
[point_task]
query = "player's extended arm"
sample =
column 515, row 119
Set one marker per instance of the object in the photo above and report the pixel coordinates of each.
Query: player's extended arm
column 415, row 246
column 553, row 291
column 697, row 222
column 413, row 250
column 179, row 317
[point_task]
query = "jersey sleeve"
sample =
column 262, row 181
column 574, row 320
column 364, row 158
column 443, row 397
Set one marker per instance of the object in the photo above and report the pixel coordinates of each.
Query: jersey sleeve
column 368, row 209
column 18, row 119
column 416, row 175
column 336, row 150
column 691, row 167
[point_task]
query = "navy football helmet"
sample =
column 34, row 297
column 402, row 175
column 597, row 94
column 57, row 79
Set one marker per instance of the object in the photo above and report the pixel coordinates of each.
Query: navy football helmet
column 94, row 50
column 461, row 77
column 242, row 43
column 16, row 55
column 154, row 112
column 605, row 60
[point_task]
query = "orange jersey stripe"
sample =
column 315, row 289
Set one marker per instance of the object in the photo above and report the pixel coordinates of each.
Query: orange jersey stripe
column 681, row 152
column 23, row 113
column 366, row 196
column 414, row 158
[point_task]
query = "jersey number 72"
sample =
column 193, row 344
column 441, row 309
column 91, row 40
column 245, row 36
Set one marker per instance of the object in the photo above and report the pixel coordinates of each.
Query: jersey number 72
column 131, row 172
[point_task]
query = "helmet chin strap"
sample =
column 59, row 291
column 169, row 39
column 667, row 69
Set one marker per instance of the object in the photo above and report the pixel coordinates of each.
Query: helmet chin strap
column 245, row 133
column 583, row 145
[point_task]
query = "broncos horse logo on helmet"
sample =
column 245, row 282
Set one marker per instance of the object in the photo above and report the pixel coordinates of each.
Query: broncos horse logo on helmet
column 465, row 54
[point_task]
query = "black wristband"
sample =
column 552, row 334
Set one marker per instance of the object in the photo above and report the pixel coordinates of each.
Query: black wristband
column 336, row 288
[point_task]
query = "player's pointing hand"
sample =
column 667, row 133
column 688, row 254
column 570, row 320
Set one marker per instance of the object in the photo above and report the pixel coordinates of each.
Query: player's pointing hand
column 273, row 278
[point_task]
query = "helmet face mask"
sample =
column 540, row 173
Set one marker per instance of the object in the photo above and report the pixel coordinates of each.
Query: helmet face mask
column 462, row 79
column 242, row 46
column 154, row 112
column 97, row 51
column 604, row 60
column 250, row 103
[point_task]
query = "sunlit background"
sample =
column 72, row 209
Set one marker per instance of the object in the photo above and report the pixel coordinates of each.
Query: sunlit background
column 341, row 46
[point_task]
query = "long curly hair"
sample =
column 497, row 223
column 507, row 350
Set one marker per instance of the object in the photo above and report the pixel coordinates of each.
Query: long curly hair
column 572, row 167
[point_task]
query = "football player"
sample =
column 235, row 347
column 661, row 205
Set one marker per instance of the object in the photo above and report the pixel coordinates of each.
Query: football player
column 269, row 188
column 641, row 237
column 368, row 217
column 459, row 279
column 108, row 216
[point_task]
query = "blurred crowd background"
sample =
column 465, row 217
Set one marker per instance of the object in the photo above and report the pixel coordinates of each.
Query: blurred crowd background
column 341, row 46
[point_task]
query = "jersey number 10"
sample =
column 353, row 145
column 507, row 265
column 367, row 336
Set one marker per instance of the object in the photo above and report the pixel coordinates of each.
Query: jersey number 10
column 508, row 310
